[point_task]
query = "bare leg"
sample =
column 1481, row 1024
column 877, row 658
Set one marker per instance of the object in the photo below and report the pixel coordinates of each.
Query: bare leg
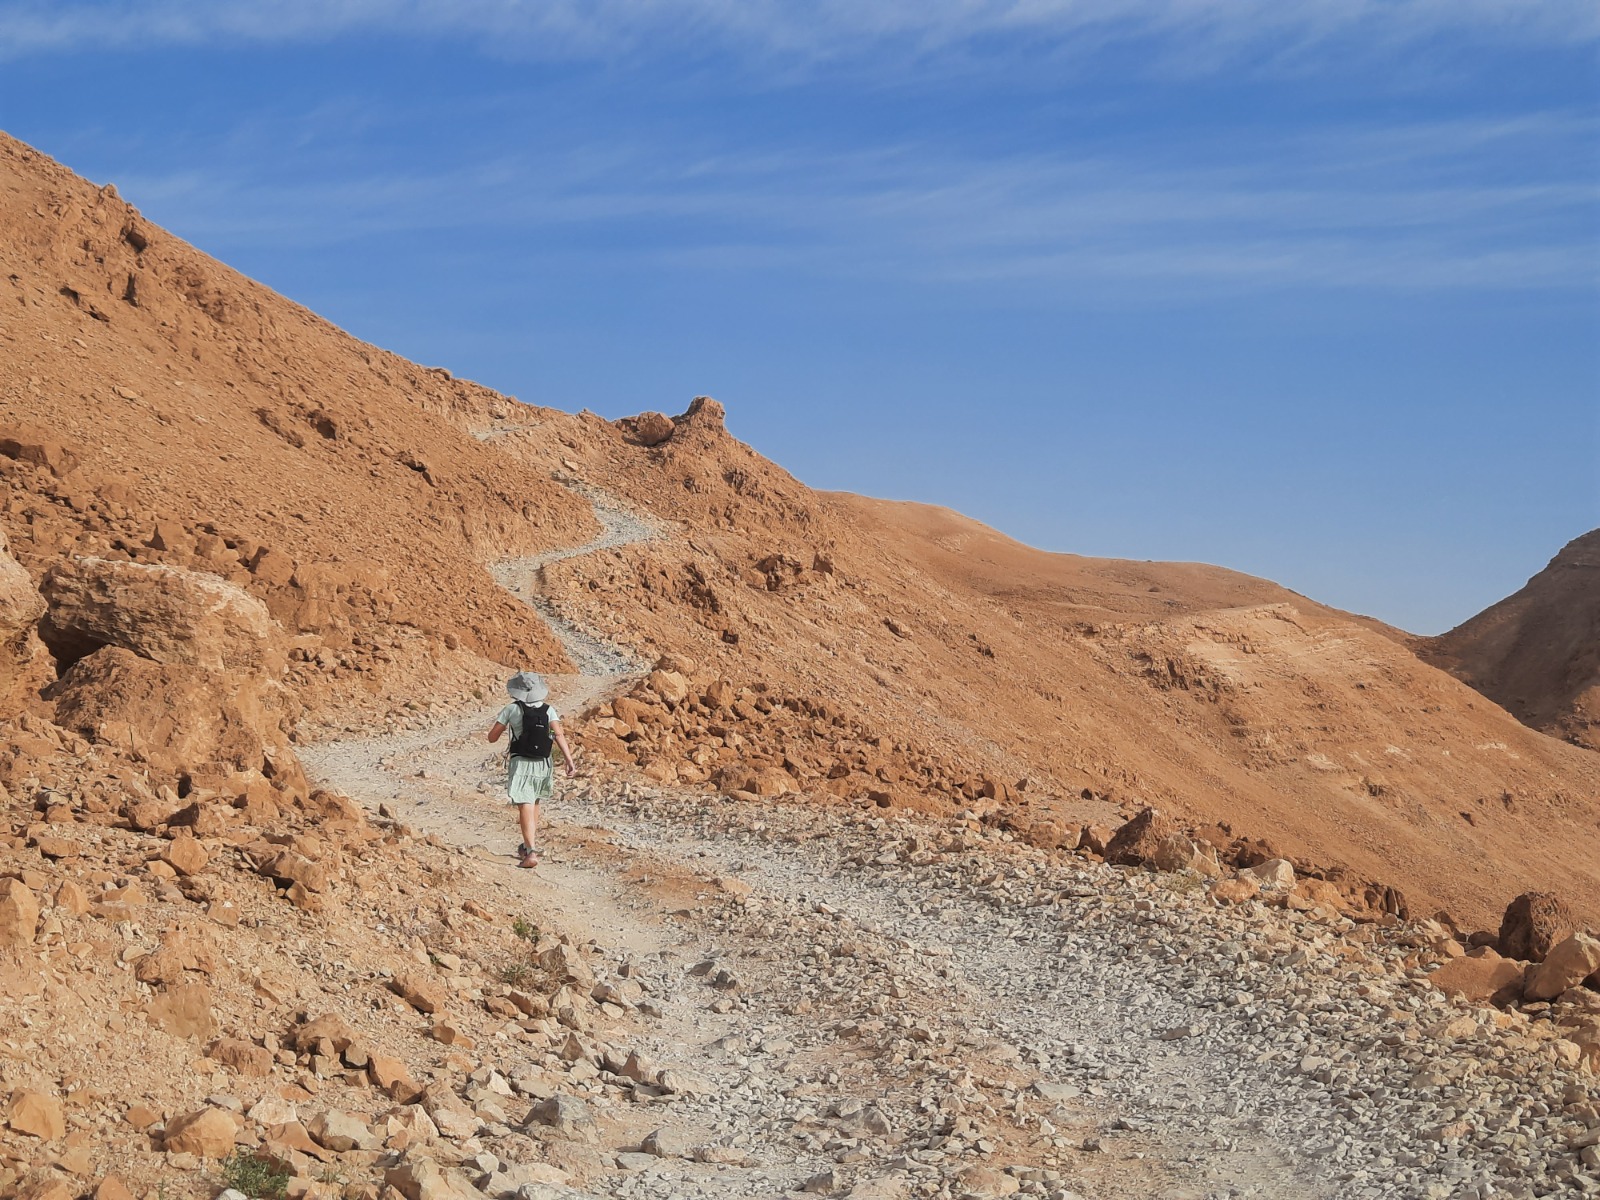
column 528, row 820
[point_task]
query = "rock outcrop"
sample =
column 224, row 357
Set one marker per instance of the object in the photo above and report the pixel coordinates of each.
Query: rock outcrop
column 21, row 655
column 1568, row 963
column 166, row 614
column 1150, row 840
column 1533, row 923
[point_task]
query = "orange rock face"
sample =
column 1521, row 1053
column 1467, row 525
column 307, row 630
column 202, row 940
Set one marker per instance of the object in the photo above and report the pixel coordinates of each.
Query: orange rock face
column 163, row 613
column 21, row 606
column 183, row 436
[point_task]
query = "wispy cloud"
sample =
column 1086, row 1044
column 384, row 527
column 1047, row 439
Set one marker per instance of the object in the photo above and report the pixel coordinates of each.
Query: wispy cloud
column 1200, row 34
column 1392, row 209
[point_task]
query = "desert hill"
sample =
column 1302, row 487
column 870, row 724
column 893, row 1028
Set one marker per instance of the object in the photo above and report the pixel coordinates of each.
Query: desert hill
column 251, row 568
column 947, row 544
column 924, row 660
column 1537, row 652
column 163, row 412
column 146, row 384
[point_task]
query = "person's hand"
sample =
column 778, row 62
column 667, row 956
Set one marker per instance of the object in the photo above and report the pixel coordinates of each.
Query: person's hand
column 571, row 770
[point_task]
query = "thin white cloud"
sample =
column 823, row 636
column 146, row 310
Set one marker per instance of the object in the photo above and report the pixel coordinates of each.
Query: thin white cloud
column 1322, row 218
column 1199, row 35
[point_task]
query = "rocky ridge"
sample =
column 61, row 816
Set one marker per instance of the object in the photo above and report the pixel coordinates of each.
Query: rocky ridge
column 1537, row 652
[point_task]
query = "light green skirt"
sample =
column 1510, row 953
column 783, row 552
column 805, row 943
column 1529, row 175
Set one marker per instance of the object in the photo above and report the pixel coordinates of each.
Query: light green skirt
column 529, row 780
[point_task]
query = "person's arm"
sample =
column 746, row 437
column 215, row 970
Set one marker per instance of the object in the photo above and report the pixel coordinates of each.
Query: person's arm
column 561, row 740
column 495, row 731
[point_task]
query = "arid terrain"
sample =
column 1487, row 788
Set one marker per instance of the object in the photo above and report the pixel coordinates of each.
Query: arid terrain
column 1537, row 652
column 906, row 860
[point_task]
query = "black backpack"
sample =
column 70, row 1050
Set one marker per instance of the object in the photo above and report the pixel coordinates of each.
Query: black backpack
column 534, row 740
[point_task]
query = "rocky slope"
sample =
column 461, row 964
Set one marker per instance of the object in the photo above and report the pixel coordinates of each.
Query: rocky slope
column 1537, row 652
column 162, row 411
column 938, row 666
column 229, row 531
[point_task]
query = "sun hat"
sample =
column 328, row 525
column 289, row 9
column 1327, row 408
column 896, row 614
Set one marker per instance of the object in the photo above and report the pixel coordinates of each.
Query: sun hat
column 527, row 687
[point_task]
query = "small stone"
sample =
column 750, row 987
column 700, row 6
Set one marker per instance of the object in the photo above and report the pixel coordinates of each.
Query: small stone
column 448, row 1035
column 186, row 856
column 390, row 1075
column 141, row 1116
column 825, row 1183
column 339, row 1131
column 246, row 1058
column 668, row 1143
column 1235, row 891
column 183, row 1011
column 563, row 1113
column 207, row 1133
column 564, row 964
column 1275, row 874
column 71, row 897
column 19, row 913
column 986, row 1182
column 423, row 993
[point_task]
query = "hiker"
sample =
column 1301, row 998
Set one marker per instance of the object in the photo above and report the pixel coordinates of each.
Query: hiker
column 534, row 726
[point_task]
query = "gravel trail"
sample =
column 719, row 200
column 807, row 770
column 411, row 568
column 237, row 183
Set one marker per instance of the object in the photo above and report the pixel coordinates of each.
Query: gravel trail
column 909, row 1006
column 599, row 661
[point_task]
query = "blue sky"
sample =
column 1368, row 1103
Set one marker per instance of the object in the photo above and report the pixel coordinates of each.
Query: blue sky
column 1306, row 289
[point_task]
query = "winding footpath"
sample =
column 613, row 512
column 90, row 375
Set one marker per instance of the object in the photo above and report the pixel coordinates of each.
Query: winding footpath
column 887, row 1008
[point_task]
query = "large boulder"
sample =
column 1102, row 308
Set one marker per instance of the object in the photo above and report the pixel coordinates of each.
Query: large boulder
column 1569, row 962
column 648, row 429
column 180, row 668
column 176, row 718
column 37, row 1115
column 165, row 614
column 40, row 448
column 1150, row 840
column 1533, row 923
column 22, row 658
column 1481, row 977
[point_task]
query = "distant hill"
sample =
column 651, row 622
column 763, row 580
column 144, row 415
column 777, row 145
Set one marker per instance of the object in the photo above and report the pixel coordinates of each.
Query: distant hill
column 1537, row 652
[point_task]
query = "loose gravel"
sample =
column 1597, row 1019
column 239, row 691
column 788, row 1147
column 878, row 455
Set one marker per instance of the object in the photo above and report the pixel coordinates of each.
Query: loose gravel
column 890, row 1008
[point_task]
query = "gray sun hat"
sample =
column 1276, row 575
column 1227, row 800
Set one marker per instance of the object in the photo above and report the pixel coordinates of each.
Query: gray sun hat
column 527, row 687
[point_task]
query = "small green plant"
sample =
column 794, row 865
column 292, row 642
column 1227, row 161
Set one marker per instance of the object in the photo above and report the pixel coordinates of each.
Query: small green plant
column 255, row 1177
column 525, row 929
column 515, row 973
